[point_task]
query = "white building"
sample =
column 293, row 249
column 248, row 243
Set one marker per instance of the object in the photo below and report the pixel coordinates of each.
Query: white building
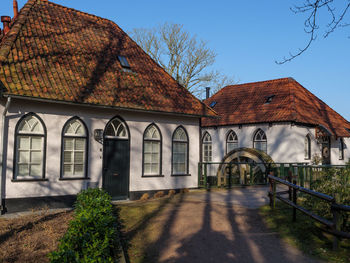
column 279, row 118
column 82, row 105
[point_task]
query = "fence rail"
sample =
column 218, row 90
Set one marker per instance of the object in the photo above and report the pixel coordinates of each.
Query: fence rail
column 292, row 200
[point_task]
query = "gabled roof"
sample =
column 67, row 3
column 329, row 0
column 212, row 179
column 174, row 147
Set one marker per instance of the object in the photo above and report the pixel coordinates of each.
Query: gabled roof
column 278, row 100
column 58, row 53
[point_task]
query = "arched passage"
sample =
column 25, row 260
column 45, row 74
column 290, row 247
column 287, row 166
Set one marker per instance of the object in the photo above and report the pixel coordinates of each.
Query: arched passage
column 248, row 166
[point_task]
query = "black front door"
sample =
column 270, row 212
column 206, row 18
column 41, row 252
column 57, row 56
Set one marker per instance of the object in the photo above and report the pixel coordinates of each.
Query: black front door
column 116, row 161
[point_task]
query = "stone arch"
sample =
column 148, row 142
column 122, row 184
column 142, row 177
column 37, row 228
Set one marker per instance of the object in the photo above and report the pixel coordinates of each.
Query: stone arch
column 260, row 160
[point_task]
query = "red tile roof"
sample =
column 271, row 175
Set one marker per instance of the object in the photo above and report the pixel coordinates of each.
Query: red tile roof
column 57, row 53
column 291, row 102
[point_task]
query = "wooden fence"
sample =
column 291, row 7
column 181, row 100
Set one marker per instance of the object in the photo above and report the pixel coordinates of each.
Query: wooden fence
column 333, row 226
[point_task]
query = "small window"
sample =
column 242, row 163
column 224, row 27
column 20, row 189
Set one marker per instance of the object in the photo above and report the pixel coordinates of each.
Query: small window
column 307, row 148
column 74, row 149
column 260, row 141
column 341, row 149
column 269, row 99
column 124, row 63
column 180, row 152
column 207, row 148
column 152, row 150
column 30, row 148
column 231, row 142
column 212, row 105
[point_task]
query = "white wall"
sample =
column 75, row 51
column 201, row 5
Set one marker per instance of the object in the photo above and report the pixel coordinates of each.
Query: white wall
column 55, row 115
column 285, row 142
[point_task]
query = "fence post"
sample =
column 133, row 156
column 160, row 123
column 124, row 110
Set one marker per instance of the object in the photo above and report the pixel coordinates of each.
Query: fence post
column 290, row 176
column 250, row 174
column 199, row 174
column 336, row 222
column 229, row 175
column 271, row 192
column 294, row 201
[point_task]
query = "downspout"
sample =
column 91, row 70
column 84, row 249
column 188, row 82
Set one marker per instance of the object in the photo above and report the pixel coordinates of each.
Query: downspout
column 2, row 143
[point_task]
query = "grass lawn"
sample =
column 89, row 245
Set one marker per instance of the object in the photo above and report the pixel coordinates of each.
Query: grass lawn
column 30, row 238
column 304, row 234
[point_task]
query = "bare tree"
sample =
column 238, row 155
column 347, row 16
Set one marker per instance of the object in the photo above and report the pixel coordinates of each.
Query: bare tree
column 312, row 9
column 187, row 59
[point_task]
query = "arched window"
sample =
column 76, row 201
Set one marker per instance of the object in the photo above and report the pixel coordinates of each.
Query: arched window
column 307, row 147
column 231, row 141
column 180, row 152
column 152, row 151
column 74, row 149
column 260, row 141
column 341, row 149
column 116, row 129
column 207, row 148
column 30, row 148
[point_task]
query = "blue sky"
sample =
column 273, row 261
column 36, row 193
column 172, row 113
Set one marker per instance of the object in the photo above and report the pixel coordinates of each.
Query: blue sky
column 248, row 37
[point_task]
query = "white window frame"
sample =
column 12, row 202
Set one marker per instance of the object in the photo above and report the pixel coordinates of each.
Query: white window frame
column 261, row 141
column 74, row 137
column 232, row 139
column 307, row 147
column 207, row 148
column 152, row 141
column 179, row 141
column 31, row 134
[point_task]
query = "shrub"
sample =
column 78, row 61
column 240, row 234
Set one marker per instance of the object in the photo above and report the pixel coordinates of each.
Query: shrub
column 333, row 182
column 158, row 194
column 144, row 197
column 171, row 192
column 92, row 234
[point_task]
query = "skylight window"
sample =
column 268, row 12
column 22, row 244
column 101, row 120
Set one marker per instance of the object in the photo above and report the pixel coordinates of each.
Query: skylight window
column 212, row 105
column 124, row 63
column 269, row 99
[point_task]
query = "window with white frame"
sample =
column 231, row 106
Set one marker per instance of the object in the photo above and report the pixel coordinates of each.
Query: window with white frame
column 207, row 148
column 260, row 140
column 341, row 149
column 152, row 147
column 180, row 152
column 116, row 129
column 30, row 148
column 307, row 147
column 231, row 142
column 74, row 152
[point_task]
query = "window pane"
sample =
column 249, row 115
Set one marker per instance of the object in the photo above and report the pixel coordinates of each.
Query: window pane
column 147, row 168
column 23, row 143
column 155, row 168
column 68, row 143
column 155, row 146
column 35, row 170
column 23, row 156
column 79, row 144
column 67, row 169
column 155, row 158
column 78, row 169
column 23, row 170
column 78, row 157
column 36, row 143
column 36, row 157
column 148, row 147
column 147, row 158
column 68, row 157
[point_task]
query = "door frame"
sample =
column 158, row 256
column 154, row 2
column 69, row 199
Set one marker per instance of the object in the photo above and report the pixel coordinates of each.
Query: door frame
column 116, row 139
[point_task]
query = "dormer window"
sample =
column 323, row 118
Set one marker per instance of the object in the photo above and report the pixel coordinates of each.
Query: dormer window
column 269, row 99
column 124, row 63
column 212, row 105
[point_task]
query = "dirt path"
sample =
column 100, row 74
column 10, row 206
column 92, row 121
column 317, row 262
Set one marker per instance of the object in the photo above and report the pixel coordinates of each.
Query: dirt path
column 219, row 226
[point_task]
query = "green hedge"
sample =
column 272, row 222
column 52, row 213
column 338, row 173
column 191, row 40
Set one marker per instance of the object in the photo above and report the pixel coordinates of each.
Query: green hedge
column 92, row 234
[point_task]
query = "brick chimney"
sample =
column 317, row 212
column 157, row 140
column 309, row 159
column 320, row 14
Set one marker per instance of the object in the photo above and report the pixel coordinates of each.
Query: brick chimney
column 15, row 9
column 6, row 21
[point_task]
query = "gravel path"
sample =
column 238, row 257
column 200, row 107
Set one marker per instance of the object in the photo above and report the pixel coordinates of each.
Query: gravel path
column 220, row 226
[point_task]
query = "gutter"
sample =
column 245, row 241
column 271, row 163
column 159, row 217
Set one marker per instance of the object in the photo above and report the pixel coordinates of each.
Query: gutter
column 2, row 143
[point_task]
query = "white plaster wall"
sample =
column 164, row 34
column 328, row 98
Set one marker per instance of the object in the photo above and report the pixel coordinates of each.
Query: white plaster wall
column 285, row 142
column 55, row 115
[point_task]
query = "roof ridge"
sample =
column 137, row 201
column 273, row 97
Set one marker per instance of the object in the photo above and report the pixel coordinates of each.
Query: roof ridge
column 262, row 81
column 11, row 36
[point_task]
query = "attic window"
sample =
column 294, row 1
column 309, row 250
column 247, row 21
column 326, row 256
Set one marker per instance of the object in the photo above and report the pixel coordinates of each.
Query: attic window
column 124, row 63
column 269, row 99
column 212, row 105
